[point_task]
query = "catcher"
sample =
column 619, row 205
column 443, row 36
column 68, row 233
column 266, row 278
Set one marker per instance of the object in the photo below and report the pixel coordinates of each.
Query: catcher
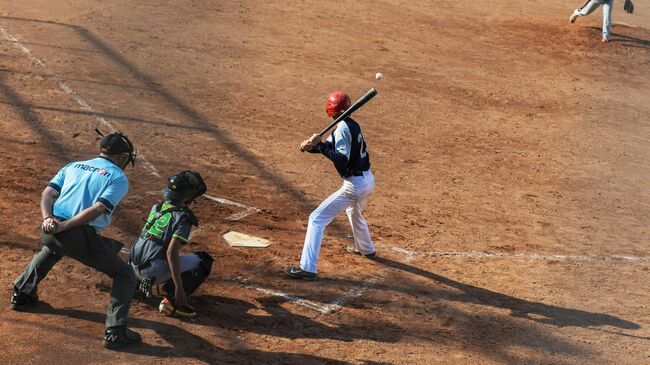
column 155, row 254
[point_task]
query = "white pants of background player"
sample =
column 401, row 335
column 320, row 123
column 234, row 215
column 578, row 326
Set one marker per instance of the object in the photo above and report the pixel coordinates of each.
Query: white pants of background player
column 351, row 198
column 607, row 13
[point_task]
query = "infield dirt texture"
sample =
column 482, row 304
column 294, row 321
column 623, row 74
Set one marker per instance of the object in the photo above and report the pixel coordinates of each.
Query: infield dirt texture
column 510, row 150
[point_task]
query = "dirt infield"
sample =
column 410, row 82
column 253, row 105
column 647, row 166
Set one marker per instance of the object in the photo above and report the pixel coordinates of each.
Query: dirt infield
column 510, row 150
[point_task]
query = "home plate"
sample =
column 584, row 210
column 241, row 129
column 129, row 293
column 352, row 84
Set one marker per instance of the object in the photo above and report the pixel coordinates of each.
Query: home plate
column 237, row 239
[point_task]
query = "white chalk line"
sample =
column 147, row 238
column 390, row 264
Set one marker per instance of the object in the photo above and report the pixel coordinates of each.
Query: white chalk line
column 335, row 306
column 68, row 90
column 355, row 292
column 410, row 255
column 248, row 210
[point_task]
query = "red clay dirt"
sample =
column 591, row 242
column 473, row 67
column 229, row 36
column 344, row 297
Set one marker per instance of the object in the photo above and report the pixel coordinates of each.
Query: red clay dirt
column 499, row 129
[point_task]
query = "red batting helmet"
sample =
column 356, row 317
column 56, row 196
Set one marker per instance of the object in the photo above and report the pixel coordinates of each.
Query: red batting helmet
column 337, row 103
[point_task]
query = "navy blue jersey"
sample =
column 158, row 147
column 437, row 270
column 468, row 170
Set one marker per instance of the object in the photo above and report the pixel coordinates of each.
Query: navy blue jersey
column 347, row 149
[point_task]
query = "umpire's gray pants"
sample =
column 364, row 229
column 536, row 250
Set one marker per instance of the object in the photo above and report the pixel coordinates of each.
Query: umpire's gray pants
column 85, row 245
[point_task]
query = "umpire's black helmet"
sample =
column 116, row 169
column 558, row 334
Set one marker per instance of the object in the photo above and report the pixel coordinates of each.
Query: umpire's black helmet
column 117, row 143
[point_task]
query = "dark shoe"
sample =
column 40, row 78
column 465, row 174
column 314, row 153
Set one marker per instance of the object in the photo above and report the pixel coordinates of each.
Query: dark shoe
column 295, row 272
column 20, row 301
column 120, row 336
column 353, row 249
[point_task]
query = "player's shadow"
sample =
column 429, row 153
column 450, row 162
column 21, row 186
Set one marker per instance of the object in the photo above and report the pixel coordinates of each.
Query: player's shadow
column 185, row 344
column 627, row 40
column 535, row 311
column 272, row 319
column 630, row 41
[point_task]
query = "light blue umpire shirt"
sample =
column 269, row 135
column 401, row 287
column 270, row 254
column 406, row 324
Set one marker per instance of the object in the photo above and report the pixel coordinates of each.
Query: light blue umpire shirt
column 81, row 184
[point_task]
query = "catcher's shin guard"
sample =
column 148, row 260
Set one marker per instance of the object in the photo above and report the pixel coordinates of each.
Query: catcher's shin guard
column 192, row 279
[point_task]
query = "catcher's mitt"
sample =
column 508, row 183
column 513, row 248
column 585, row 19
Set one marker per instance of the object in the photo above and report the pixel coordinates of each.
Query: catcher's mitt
column 629, row 6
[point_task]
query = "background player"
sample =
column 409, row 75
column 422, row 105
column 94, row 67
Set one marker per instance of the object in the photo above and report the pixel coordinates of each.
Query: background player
column 347, row 149
column 76, row 205
column 607, row 5
column 155, row 255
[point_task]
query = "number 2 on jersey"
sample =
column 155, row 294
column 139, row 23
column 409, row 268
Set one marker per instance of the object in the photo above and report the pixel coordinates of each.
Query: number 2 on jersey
column 363, row 151
column 160, row 224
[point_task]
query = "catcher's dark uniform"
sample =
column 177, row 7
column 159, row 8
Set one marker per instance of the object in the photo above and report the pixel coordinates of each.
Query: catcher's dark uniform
column 149, row 253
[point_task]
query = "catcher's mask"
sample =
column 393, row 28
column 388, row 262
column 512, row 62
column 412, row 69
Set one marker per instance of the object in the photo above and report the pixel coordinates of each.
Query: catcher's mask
column 184, row 187
column 337, row 103
column 116, row 144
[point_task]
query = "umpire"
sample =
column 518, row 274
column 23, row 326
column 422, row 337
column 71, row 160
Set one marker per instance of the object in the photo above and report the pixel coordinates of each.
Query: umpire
column 76, row 205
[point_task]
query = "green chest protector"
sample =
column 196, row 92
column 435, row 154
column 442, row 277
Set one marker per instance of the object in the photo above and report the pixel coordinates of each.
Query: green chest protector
column 160, row 217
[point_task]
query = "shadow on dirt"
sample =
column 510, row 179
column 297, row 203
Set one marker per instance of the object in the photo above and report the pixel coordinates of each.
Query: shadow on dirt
column 273, row 319
column 18, row 242
column 270, row 318
column 183, row 343
column 192, row 115
column 626, row 40
column 535, row 311
column 22, row 108
column 103, row 115
column 433, row 320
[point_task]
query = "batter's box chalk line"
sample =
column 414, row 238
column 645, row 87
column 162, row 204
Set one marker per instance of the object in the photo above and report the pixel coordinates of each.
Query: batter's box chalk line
column 410, row 255
column 248, row 210
column 332, row 307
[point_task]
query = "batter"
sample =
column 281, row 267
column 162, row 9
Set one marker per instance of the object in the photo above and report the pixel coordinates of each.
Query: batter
column 347, row 149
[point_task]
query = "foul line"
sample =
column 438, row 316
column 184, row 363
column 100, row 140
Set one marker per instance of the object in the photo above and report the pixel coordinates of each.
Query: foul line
column 248, row 210
column 332, row 307
column 68, row 90
column 410, row 255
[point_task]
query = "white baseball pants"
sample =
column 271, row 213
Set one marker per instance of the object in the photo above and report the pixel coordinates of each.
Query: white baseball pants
column 607, row 13
column 351, row 198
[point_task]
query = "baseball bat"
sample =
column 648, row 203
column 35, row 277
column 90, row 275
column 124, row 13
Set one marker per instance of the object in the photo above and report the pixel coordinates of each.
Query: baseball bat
column 357, row 104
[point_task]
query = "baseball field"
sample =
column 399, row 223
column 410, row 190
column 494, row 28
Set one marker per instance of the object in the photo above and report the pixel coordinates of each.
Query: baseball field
column 510, row 150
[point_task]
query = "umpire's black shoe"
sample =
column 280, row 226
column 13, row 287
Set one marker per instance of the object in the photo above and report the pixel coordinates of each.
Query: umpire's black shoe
column 353, row 249
column 295, row 272
column 120, row 336
column 20, row 301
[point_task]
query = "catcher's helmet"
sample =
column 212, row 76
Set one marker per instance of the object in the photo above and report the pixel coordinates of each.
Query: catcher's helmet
column 337, row 103
column 184, row 187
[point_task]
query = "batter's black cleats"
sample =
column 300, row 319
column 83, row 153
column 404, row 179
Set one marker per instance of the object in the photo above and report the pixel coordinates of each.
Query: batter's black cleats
column 20, row 301
column 353, row 249
column 295, row 272
column 120, row 336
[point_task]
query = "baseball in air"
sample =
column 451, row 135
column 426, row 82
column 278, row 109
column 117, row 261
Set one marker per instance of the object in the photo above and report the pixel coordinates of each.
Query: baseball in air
column 379, row 75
